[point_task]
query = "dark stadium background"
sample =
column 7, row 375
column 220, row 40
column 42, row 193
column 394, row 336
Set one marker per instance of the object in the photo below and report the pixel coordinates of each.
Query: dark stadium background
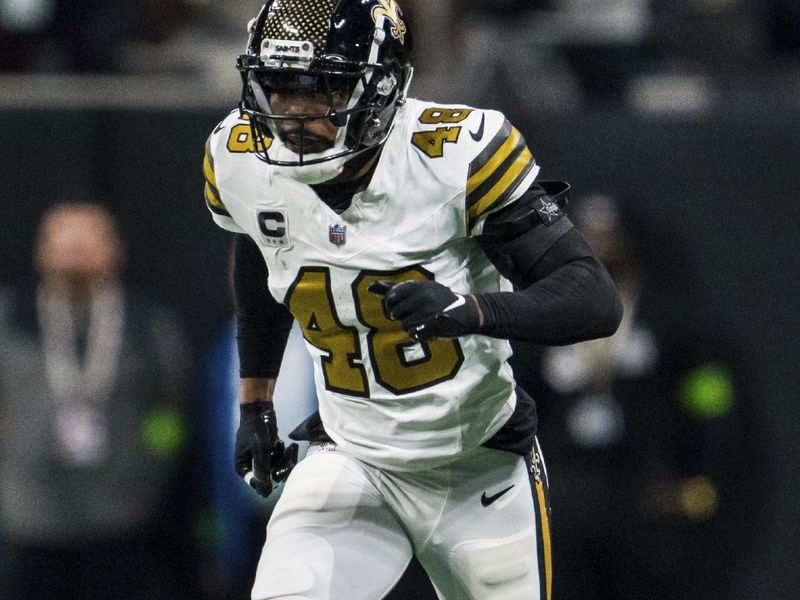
column 714, row 195
column 722, row 190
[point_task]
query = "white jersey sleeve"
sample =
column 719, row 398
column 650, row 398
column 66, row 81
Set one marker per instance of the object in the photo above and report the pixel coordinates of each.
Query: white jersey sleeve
column 501, row 169
column 487, row 154
column 212, row 193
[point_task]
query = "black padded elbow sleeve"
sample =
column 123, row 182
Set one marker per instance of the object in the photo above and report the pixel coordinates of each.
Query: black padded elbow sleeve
column 262, row 323
column 576, row 302
column 565, row 296
column 517, row 237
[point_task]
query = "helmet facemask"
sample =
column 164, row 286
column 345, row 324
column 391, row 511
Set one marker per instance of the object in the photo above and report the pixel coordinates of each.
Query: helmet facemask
column 326, row 94
column 359, row 105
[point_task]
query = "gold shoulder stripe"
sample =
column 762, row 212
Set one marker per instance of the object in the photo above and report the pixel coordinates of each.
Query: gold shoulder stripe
column 496, row 172
column 500, row 192
column 498, row 150
column 208, row 166
column 213, row 198
column 213, row 202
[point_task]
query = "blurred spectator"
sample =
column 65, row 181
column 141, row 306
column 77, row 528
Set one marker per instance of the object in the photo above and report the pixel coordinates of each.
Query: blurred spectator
column 92, row 384
column 715, row 37
column 506, row 62
column 79, row 36
column 23, row 24
column 604, row 41
column 647, row 424
column 572, row 52
column 202, row 44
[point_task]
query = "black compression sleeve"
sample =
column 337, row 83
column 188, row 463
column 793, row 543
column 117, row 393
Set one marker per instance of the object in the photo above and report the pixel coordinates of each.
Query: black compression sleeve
column 262, row 323
column 571, row 299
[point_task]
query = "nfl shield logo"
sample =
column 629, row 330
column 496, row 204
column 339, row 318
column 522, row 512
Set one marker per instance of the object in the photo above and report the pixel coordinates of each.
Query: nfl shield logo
column 337, row 234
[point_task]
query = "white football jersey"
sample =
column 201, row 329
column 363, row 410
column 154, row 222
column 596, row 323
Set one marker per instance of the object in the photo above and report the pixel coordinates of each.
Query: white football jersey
column 389, row 401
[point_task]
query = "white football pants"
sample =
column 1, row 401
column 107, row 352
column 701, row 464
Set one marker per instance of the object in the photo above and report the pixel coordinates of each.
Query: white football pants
column 344, row 530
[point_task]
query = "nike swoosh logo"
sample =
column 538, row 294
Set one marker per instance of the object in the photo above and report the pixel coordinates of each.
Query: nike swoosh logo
column 219, row 128
column 478, row 135
column 460, row 301
column 487, row 500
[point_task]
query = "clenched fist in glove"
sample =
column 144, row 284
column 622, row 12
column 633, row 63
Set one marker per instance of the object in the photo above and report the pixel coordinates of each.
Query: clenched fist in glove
column 261, row 457
column 428, row 310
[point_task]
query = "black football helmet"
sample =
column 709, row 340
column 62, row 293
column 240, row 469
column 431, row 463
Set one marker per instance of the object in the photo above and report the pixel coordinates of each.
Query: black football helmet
column 354, row 54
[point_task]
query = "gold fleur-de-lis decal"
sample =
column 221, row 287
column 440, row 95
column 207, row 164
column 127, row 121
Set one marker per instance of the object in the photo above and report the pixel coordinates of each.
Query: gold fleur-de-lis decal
column 390, row 10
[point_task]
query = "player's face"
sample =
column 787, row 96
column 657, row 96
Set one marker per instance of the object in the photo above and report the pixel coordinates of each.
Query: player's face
column 316, row 135
column 314, row 97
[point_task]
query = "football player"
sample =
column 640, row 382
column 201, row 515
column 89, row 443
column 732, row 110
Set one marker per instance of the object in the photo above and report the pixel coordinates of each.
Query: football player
column 410, row 241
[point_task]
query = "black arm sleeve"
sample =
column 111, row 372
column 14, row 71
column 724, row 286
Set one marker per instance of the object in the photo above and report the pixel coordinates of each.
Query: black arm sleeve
column 262, row 323
column 563, row 294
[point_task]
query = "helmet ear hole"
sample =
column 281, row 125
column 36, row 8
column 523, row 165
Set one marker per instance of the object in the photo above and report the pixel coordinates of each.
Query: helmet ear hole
column 386, row 85
column 339, row 119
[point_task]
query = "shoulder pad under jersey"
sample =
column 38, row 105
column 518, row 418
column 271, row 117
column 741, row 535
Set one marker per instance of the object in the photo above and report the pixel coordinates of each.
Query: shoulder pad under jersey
column 216, row 146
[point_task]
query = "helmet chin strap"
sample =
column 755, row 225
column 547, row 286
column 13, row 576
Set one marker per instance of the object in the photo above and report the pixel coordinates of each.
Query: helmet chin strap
column 307, row 174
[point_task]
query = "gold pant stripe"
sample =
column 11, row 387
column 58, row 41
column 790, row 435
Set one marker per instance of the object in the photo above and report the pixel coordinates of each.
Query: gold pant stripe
column 545, row 528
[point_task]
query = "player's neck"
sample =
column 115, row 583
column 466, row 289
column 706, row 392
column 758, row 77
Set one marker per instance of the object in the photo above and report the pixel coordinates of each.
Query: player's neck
column 360, row 168
column 338, row 193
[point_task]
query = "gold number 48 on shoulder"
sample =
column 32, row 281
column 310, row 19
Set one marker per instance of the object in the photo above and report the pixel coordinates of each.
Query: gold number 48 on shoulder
column 432, row 142
column 240, row 139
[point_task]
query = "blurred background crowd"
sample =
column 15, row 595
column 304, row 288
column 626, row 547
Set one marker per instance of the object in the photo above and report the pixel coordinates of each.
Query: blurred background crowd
column 670, row 445
column 647, row 54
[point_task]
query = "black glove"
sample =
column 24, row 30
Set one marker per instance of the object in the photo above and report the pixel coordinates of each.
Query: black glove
column 261, row 457
column 428, row 310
